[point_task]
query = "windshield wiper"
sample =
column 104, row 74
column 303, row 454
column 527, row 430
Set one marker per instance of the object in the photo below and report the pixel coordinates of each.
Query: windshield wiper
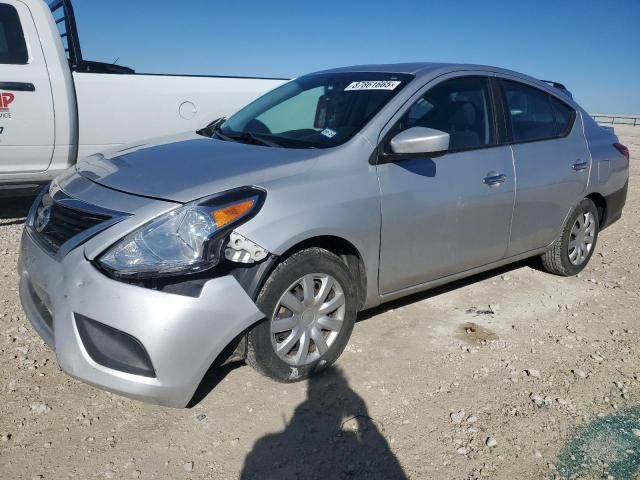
column 211, row 129
column 248, row 137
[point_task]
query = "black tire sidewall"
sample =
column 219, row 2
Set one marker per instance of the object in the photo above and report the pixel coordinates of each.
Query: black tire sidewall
column 314, row 260
column 585, row 206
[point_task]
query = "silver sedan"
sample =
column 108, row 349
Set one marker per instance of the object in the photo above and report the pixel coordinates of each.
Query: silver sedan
column 263, row 235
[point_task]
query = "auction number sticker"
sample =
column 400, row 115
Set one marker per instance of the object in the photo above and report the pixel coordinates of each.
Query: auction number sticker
column 373, row 85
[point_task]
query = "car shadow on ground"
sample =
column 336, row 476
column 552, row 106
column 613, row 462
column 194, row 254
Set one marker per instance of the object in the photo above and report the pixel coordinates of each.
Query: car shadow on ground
column 13, row 211
column 330, row 436
column 217, row 372
column 212, row 378
column 533, row 263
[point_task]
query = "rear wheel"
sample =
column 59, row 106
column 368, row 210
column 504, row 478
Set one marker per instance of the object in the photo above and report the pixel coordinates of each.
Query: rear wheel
column 571, row 253
column 310, row 302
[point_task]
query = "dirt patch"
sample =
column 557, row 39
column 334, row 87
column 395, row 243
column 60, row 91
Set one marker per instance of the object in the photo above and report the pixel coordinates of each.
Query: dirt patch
column 474, row 333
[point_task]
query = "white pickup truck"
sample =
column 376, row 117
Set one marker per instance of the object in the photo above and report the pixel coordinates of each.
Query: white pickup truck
column 56, row 107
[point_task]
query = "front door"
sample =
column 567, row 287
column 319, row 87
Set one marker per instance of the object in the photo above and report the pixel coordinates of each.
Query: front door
column 26, row 104
column 451, row 213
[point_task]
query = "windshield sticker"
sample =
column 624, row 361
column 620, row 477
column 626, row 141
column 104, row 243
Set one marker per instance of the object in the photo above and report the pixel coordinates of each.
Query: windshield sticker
column 373, row 85
column 327, row 132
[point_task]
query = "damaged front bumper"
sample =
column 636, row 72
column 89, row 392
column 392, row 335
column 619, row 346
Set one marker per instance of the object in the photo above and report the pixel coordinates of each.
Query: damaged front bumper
column 146, row 344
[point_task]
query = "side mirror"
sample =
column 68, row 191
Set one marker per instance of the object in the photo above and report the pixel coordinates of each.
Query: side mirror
column 420, row 140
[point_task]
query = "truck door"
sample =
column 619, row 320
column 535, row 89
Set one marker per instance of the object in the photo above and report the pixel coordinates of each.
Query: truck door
column 26, row 103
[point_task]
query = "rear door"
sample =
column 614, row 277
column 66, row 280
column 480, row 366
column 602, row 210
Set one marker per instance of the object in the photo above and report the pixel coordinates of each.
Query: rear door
column 26, row 104
column 552, row 163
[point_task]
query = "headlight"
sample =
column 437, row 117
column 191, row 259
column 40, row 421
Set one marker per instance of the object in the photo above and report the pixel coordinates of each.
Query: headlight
column 186, row 240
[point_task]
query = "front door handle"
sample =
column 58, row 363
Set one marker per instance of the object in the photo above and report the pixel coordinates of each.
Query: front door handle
column 494, row 179
column 580, row 165
column 18, row 86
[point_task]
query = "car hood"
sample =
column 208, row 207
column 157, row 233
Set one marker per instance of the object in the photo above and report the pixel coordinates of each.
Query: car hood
column 188, row 167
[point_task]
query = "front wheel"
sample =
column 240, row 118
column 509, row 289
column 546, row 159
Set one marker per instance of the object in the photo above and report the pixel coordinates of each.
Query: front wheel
column 310, row 302
column 571, row 253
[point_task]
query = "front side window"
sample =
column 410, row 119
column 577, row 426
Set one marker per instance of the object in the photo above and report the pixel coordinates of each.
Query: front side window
column 314, row 111
column 13, row 48
column 460, row 107
column 535, row 115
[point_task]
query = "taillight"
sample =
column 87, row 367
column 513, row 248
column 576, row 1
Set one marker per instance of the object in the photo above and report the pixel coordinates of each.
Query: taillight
column 622, row 149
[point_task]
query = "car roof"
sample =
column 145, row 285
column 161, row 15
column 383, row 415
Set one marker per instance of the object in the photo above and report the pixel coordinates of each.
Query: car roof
column 411, row 68
column 420, row 69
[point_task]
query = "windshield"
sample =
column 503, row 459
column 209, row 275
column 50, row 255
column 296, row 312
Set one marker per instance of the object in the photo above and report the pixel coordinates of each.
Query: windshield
column 314, row 111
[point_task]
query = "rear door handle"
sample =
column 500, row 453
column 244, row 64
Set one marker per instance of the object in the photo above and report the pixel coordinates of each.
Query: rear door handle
column 18, row 86
column 579, row 165
column 494, row 179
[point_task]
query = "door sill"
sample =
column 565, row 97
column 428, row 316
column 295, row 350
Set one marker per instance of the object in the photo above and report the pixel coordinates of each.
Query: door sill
column 387, row 297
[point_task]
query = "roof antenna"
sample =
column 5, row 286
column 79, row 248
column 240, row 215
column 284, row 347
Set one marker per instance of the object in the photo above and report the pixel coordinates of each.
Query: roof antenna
column 116, row 61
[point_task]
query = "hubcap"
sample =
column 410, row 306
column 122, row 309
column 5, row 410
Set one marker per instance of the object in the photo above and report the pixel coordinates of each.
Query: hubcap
column 582, row 238
column 307, row 319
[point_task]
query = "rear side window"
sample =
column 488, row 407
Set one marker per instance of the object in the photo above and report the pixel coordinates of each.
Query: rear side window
column 535, row 115
column 563, row 115
column 13, row 48
column 461, row 107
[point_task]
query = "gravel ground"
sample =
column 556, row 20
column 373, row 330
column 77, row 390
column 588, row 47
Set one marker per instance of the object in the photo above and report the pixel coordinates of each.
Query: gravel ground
column 511, row 374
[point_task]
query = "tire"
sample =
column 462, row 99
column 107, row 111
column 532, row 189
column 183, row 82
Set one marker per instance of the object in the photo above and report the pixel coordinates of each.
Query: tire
column 563, row 257
column 312, row 270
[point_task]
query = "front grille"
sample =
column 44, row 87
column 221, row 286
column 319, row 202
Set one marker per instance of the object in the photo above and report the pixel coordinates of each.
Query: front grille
column 65, row 223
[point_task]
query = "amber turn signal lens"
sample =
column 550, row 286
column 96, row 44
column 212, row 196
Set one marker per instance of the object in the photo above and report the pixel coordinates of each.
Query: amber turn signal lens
column 229, row 214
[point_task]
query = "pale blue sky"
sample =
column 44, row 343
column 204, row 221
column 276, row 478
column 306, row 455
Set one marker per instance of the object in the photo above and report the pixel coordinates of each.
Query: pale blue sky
column 591, row 46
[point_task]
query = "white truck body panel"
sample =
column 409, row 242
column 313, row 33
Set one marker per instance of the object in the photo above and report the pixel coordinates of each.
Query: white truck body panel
column 71, row 114
column 130, row 108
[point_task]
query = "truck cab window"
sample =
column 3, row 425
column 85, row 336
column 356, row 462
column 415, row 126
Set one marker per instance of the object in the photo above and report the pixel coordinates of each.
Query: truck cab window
column 13, row 48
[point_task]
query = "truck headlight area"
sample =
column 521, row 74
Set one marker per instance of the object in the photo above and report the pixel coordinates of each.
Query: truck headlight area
column 188, row 239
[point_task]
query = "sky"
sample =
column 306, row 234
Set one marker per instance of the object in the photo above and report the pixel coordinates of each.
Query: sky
column 590, row 46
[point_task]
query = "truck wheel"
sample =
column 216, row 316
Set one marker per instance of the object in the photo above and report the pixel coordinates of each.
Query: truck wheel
column 310, row 301
column 572, row 251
